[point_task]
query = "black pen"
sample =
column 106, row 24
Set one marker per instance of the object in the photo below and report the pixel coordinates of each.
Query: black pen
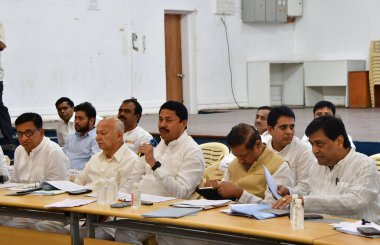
column 336, row 181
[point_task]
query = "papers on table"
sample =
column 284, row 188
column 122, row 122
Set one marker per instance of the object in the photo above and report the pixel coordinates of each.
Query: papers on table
column 252, row 210
column 48, row 193
column 202, row 203
column 9, row 185
column 351, row 228
column 145, row 197
column 66, row 185
column 272, row 185
column 171, row 212
column 68, row 203
column 19, row 186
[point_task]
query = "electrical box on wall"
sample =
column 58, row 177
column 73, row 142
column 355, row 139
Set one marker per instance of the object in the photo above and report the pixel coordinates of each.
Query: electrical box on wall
column 270, row 10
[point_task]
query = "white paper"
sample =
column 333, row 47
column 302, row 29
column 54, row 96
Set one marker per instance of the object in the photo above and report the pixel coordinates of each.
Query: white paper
column 145, row 197
column 351, row 228
column 22, row 186
column 68, row 203
column 9, row 185
column 66, row 185
column 272, row 185
column 201, row 203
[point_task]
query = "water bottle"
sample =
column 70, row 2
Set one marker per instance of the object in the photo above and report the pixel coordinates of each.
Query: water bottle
column 136, row 196
column 112, row 190
column 101, row 192
column 292, row 204
column 298, row 215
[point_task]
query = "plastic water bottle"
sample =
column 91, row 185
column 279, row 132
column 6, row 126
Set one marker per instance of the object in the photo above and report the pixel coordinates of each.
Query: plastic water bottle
column 112, row 190
column 298, row 215
column 292, row 204
column 101, row 192
column 136, row 196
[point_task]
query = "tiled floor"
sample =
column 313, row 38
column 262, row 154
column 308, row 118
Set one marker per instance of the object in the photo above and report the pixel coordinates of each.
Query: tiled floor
column 361, row 124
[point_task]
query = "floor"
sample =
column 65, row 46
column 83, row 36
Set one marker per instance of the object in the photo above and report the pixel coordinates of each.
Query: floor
column 362, row 124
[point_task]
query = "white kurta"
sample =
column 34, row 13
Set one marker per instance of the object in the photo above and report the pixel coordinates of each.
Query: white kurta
column 300, row 158
column 182, row 168
column 3, row 164
column 136, row 137
column 282, row 176
column 351, row 189
column 63, row 130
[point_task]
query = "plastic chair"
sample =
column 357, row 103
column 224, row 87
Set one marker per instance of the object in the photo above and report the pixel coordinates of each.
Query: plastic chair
column 376, row 158
column 374, row 68
column 214, row 152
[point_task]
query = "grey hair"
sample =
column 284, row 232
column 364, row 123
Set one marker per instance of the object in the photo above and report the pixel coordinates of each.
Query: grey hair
column 119, row 125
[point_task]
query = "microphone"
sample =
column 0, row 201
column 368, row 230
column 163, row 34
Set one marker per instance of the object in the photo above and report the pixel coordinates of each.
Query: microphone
column 3, row 179
column 153, row 143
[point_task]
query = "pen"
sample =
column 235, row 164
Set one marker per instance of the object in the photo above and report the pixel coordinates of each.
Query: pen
column 336, row 181
column 365, row 222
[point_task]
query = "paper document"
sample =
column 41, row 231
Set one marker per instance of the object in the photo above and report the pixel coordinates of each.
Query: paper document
column 48, row 193
column 146, row 197
column 9, row 185
column 171, row 212
column 272, row 185
column 252, row 210
column 201, row 203
column 351, row 228
column 66, row 185
column 68, row 203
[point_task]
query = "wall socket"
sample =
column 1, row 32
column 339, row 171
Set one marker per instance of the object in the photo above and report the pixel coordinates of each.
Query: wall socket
column 225, row 7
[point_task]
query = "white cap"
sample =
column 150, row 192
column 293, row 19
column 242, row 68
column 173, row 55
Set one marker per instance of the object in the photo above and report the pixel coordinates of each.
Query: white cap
column 298, row 201
column 295, row 196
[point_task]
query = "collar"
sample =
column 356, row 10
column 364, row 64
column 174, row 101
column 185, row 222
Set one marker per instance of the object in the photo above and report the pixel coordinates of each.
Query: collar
column 176, row 141
column 344, row 160
column 91, row 133
column 131, row 131
column 118, row 154
column 40, row 145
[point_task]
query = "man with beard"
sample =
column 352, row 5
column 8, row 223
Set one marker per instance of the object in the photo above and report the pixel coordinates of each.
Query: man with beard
column 281, row 126
column 65, row 109
column 261, row 123
column 174, row 168
column 130, row 113
column 82, row 145
column 344, row 182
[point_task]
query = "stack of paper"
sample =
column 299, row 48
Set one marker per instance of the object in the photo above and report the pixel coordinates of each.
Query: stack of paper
column 68, row 203
column 201, row 203
column 171, row 212
column 351, row 228
column 145, row 197
column 252, row 210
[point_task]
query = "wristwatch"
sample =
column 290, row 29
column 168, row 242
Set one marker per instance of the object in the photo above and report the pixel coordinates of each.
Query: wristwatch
column 156, row 165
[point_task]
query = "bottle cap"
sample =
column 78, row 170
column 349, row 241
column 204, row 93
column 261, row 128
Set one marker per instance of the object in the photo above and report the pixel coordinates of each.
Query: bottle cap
column 298, row 201
column 135, row 185
column 295, row 196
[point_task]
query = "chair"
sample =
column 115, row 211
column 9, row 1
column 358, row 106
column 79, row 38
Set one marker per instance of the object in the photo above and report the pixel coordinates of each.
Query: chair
column 374, row 69
column 214, row 152
column 376, row 158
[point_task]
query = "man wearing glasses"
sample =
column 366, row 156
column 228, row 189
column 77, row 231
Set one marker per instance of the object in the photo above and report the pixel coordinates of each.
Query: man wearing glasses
column 37, row 159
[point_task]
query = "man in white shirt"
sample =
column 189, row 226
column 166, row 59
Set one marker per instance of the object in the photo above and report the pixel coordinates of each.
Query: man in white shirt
column 261, row 123
column 114, row 160
column 281, row 125
column 344, row 182
column 37, row 159
column 130, row 112
column 323, row 108
column 65, row 109
column 174, row 168
column 244, row 179
column 82, row 145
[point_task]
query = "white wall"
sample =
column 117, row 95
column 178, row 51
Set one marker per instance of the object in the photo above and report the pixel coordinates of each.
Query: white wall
column 60, row 48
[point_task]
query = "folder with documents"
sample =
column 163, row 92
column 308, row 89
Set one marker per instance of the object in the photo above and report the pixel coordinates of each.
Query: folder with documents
column 201, row 203
column 171, row 212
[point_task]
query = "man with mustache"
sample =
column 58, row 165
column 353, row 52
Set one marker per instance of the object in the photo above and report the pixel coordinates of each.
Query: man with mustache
column 261, row 122
column 281, row 126
column 82, row 145
column 130, row 112
column 65, row 109
column 37, row 159
column 343, row 182
column 174, row 168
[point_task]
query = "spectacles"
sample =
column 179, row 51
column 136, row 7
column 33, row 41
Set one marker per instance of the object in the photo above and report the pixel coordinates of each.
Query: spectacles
column 28, row 133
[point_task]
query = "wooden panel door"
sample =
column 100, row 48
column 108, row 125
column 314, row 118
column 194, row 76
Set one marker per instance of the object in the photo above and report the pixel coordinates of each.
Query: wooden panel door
column 173, row 57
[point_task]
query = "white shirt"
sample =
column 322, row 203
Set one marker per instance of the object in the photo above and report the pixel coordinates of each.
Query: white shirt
column 2, row 39
column 3, row 164
column 63, row 130
column 136, row 137
column 282, row 176
column 306, row 140
column 99, row 167
column 300, row 157
column 45, row 162
column 351, row 189
column 265, row 137
column 182, row 168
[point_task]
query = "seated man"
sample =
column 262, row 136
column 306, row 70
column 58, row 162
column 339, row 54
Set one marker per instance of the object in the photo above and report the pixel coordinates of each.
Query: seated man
column 115, row 160
column 37, row 159
column 244, row 178
column 343, row 182
column 81, row 145
column 65, row 108
column 299, row 156
column 174, row 168
column 261, row 122
column 130, row 113
column 4, row 173
column 322, row 108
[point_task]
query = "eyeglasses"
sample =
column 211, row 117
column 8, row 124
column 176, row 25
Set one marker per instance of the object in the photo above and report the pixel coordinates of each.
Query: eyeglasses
column 28, row 133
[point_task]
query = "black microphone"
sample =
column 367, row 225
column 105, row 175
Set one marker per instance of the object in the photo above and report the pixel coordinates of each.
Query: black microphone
column 3, row 179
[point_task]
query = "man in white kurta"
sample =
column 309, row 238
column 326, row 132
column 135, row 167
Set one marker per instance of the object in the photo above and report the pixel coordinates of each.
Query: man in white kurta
column 281, row 121
column 343, row 182
column 66, row 126
column 174, row 168
column 36, row 159
column 130, row 112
